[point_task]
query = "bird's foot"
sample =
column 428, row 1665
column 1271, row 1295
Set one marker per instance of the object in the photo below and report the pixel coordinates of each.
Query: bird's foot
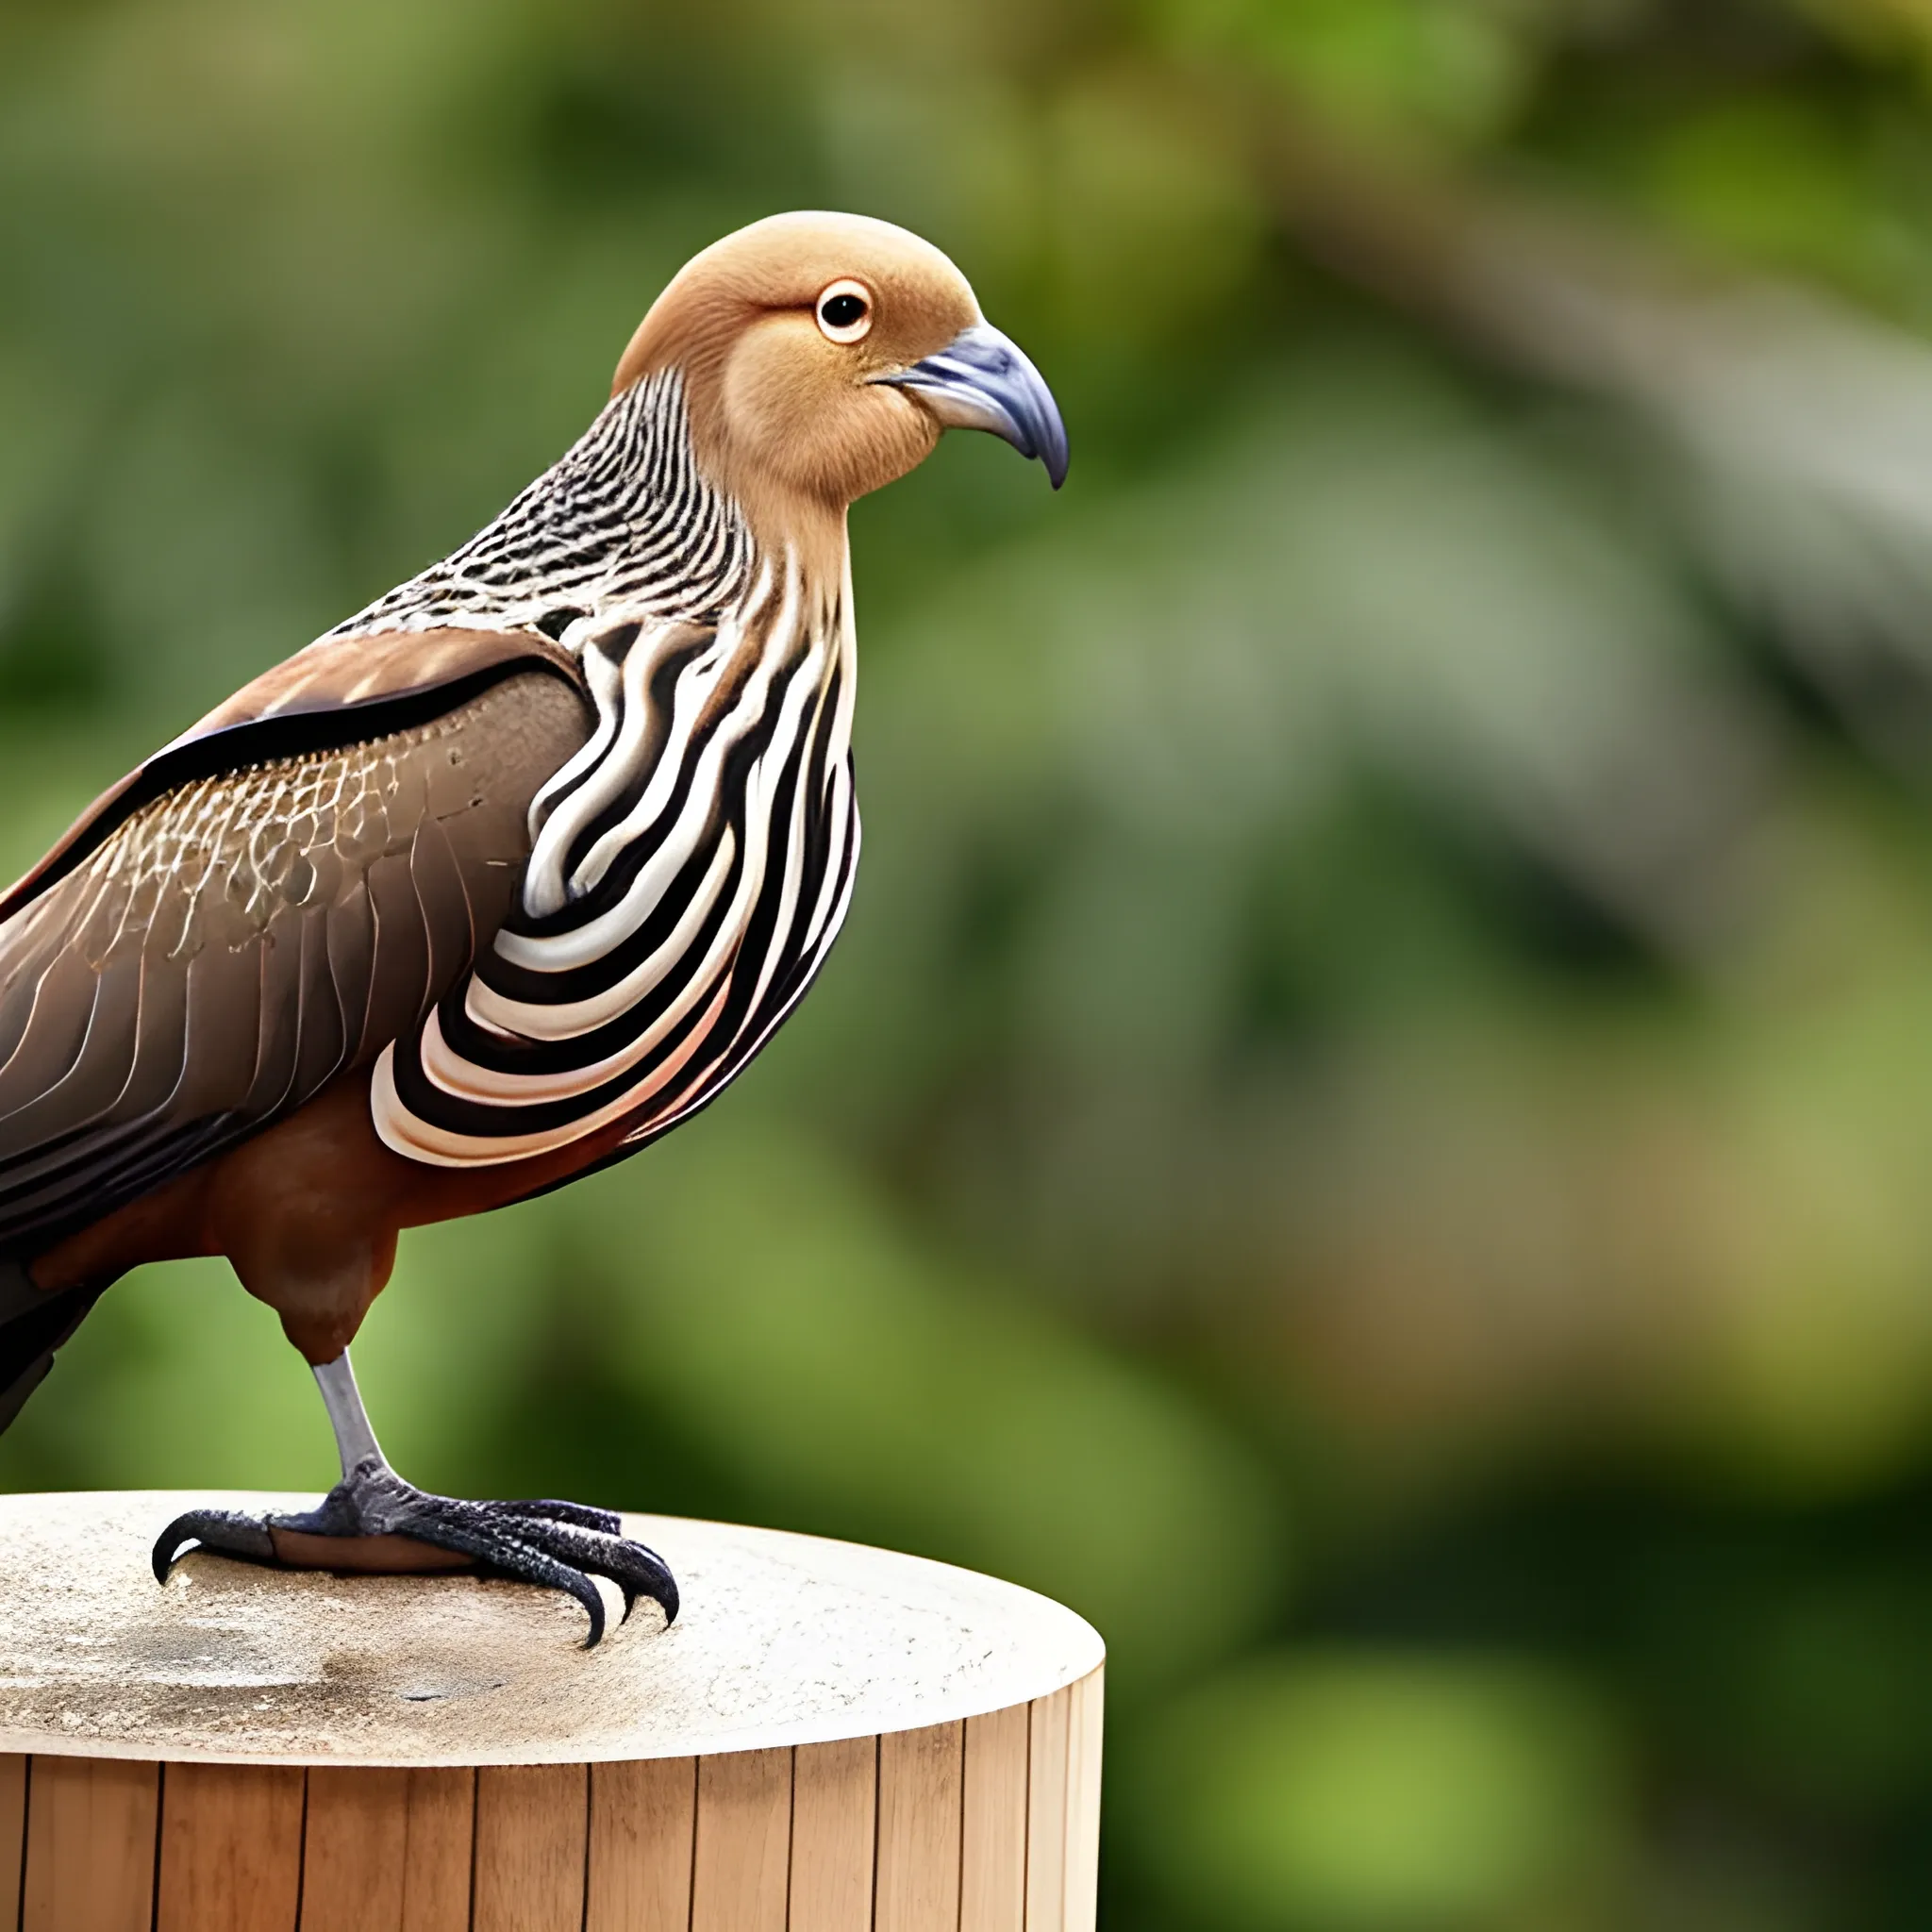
column 373, row 1521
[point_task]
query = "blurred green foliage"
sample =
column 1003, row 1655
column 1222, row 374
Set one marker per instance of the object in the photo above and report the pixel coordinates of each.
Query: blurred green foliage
column 1372, row 1128
column 1389, row 1792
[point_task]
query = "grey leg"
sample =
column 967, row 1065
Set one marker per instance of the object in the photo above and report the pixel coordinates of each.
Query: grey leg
column 559, row 1546
column 356, row 1441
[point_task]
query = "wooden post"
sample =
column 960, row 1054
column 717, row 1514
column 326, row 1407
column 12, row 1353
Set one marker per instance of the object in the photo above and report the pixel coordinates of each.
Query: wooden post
column 830, row 1739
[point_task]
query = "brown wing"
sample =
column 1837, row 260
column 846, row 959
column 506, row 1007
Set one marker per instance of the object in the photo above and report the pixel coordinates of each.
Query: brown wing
column 333, row 694
column 191, row 966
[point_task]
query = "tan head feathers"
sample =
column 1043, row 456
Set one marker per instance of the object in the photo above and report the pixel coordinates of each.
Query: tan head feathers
column 810, row 345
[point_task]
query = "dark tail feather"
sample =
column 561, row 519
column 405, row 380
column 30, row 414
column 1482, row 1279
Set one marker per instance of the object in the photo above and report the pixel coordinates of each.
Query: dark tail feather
column 33, row 1325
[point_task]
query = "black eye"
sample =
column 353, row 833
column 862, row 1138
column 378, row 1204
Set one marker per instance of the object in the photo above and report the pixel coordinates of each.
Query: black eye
column 844, row 311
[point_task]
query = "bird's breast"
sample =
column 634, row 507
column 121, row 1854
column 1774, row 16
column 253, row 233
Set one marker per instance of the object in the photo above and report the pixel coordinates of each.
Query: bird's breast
column 690, row 868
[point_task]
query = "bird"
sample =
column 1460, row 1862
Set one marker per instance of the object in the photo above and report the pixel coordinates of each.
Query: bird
column 496, row 881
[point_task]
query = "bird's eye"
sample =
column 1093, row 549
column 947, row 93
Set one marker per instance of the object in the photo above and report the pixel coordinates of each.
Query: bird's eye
column 845, row 313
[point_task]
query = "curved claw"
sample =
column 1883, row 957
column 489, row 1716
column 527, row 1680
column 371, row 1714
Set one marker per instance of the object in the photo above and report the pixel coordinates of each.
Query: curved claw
column 168, row 1546
column 592, row 1603
column 225, row 1530
column 664, row 1593
column 525, row 1562
column 648, row 1577
column 634, row 1569
column 542, row 1568
column 548, row 1571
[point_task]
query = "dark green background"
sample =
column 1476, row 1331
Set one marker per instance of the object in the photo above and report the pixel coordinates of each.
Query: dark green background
column 1372, row 1127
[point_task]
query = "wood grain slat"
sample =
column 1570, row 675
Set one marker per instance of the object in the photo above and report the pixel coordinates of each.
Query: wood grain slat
column 90, row 1829
column 920, row 1787
column 834, row 1819
column 436, row 1863
column 741, row 1863
column 532, row 1848
column 643, row 1817
column 1048, row 1721
column 992, row 1825
column 232, row 1848
column 13, row 1777
column 387, row 1850
column 1083, row 1801
column 354, row 1843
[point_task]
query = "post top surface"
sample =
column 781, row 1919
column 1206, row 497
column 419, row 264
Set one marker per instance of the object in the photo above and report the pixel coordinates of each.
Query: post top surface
column 782, row 1639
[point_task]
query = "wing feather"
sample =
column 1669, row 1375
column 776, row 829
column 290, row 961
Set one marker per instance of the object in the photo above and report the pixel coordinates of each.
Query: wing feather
column 436, row 877
column 222, row 951
column 351, row 929
column 319, row 1013
column 55, row 1037
column 401, row 977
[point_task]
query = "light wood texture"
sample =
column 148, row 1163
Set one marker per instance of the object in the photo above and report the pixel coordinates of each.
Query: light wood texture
column 437, row 1862
column 1083, row 1801
column 12, row 1829
column 236, row 1662
column 834, row 1819
column 642, row 1821
column 252, row 1752
column 920, row 1776
column 90, row 1846
column 354, row 1844
column 232, row 1848
column 741, row 1870
column 387, row 1850
column 1046, row 1812
column 992, row 1824
column 532, row 1826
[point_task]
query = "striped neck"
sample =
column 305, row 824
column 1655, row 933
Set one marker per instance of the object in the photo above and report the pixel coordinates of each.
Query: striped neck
column 623, row 526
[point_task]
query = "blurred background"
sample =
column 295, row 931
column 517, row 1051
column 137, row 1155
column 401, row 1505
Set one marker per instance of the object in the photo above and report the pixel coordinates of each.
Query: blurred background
column 1372, row 1126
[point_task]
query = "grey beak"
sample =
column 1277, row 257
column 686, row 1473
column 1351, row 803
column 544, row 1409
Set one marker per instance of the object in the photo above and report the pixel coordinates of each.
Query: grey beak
column 980, row 380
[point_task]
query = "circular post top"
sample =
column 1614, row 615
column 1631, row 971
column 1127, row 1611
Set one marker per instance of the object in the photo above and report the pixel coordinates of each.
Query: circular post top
column 782, row 1639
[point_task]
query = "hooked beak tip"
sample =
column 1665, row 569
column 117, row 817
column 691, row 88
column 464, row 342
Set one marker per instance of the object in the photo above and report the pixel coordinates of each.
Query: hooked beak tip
column 983, row 380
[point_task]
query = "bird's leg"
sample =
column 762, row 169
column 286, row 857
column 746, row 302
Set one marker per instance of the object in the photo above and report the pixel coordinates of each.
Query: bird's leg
column 374, row 1520
column 354, row 1433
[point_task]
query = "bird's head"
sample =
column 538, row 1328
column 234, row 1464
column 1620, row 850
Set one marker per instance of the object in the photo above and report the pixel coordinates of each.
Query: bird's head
column 823, row 355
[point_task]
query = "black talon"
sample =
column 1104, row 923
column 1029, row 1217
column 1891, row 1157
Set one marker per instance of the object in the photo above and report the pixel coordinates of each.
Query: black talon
column 634, row 1569
column 225, row 1530
column 525, row 1563
column 554, row 1545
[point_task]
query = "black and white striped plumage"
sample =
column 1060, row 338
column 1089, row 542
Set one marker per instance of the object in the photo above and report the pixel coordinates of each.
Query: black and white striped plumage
column 622, row 524
column 692, row 862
